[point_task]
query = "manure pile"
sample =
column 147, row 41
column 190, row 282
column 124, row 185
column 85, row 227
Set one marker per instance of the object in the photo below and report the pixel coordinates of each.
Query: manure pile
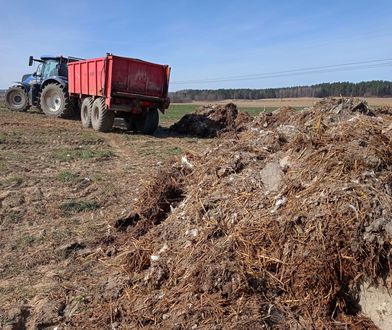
column 211, row 121
column 277, row 227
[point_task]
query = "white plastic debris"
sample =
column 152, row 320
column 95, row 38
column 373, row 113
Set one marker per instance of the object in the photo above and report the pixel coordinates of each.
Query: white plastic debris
column 285, row 163
column 279, row 203
column 193, row 232
column 185, row 162
column 163, row 248
column 154, row 257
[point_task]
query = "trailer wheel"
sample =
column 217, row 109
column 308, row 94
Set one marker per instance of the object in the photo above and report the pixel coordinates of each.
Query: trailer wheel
column 17, row 99
column 55, row 101
column 85, row 112
column 129, row 123
column 148, row 123
column 102, row 119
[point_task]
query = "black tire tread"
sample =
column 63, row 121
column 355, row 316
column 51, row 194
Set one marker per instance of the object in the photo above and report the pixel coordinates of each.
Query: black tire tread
column 9, row 106
column 129, row 123
column 89, row 101
column 67, row 110
column 148, row 123
column 105, row 120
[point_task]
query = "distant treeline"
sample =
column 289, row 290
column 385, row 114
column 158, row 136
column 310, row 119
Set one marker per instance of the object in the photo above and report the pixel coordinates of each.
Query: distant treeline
column 375, row 88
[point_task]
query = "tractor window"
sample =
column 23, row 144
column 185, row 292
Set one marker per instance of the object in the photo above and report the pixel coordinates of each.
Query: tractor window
column 63, row 71
column 39, row 70
column 50, row 69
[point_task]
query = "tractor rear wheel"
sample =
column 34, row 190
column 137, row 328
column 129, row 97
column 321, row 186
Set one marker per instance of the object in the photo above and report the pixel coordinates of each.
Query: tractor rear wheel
column 102, row 119
column 85, row 112
column 148, row 122
column 55, row 101
column 16, row 99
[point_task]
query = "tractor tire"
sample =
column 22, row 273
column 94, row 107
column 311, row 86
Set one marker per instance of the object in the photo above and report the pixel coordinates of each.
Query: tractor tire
column 129, row 123
column 148, row 122
column 102, row 119
column 85, row 112
column 17, row 99
column 55, row 101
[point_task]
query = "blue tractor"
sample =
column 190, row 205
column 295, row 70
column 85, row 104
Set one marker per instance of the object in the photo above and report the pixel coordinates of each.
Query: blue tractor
column 46, row 88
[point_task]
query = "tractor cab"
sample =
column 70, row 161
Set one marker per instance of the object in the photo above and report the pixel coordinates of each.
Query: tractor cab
column 49, row 66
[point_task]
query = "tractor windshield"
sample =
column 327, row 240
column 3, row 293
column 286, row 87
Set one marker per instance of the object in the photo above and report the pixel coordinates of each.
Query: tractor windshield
column 50, row 68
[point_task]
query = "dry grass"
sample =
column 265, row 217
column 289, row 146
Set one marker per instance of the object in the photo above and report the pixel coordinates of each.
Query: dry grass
column 61, row 189
column 235, row 255
column 205, row 246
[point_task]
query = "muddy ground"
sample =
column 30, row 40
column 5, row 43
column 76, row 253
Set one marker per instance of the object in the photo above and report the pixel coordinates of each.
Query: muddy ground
column 61, row 190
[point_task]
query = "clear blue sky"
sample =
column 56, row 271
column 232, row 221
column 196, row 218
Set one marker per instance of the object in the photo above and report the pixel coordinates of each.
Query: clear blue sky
column 204, row 39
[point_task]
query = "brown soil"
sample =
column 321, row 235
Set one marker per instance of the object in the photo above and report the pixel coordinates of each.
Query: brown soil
column 61, row 189
column 275, row 226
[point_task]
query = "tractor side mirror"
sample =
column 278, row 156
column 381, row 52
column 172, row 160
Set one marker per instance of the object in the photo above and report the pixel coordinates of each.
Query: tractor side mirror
column 31, row 59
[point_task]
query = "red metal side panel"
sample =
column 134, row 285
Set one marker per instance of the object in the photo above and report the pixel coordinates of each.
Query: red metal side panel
column 87, row 77
column 124, row 75
column 109, row 77
column 76, row 70
column 138, row 77
column 71, row 79
column 83, row 78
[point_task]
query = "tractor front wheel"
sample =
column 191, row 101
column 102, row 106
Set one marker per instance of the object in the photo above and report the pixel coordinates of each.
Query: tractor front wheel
column 16, row 99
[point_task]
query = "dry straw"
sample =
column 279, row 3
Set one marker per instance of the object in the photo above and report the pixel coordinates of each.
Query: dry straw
column 220, row 246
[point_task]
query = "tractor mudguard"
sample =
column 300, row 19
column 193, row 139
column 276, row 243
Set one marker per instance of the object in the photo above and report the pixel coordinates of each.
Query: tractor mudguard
column 63, row 81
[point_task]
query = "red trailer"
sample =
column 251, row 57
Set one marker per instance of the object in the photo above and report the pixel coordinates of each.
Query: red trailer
column 115, row 86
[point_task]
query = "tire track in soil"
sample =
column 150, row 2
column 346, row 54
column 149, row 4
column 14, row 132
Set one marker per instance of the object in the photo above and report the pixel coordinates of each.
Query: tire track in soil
column 125, row 157
column 119, row 147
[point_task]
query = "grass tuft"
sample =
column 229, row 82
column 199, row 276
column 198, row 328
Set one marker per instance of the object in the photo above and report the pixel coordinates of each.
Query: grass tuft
column 14, row 180
column 67, row 176
column 67, row 155
column 79, row 206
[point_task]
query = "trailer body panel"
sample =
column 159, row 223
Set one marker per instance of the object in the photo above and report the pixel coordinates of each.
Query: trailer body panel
column 121, row 81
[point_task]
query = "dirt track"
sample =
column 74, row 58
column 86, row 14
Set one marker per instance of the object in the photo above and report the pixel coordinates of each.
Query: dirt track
column 61, row 189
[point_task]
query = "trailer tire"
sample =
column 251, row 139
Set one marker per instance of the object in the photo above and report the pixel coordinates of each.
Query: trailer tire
column 129, row 123
column 102, row 119
column 85, row 112
column 17, row 99
column 148, row 123
column 55, row 101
